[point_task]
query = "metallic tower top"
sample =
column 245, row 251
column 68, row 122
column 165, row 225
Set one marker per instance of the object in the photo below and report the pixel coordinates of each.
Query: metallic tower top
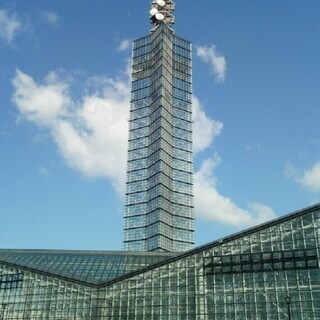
column 161, row 12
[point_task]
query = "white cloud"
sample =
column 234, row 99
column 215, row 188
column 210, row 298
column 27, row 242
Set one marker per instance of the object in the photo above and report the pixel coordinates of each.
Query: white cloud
column 309, row 179
column 211, row 205
column 91, row 134
column 217, row 61
column 50, row 17
column 205, row 129
column 124, row 45
column 42, row 104
column 10, row 26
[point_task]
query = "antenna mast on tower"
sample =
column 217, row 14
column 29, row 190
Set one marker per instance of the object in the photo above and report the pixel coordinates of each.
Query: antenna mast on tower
column 161, row 12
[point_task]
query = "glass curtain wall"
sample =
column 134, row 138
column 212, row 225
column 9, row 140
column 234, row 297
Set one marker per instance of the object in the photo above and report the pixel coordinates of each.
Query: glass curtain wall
column 252, row 276
column 159, row 192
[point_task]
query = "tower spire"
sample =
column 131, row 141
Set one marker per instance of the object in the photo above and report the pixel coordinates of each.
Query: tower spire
column 161, row 12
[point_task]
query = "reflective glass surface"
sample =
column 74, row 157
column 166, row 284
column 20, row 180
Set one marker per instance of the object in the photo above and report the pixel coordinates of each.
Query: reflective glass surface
column 92, row 267
column 270, row 272
column 159, row 192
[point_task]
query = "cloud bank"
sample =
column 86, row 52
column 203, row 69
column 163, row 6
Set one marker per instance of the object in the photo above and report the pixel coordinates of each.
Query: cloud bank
column 91, row 135
column 209, row 54
column 10, row 26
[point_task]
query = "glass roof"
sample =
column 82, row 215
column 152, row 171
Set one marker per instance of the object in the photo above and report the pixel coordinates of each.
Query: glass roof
column 98, row 267
column 89, row 266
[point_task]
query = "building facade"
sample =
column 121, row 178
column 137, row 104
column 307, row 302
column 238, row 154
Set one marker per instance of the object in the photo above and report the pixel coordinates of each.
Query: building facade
column 159, row 191
column 270, row 272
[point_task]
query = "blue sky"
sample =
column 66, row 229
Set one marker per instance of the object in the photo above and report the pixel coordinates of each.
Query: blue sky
column 64, row 103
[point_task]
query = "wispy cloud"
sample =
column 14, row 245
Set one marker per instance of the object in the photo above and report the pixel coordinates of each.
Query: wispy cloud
column 311, row 178
column 43, row 171
column 255, row 147
column 209, row 54
column 124, row 45
column 211, row 205
column 308, row 179
column 205, row 129
column 10, row 26
column 50, row 17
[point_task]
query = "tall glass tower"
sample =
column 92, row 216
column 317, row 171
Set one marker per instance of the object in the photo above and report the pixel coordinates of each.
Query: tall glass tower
column 159, row 192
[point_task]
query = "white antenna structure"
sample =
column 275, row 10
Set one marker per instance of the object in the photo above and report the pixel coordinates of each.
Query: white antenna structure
column 161, row 12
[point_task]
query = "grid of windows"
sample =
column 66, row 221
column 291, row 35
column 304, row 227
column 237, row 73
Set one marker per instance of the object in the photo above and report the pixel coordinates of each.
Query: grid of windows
column 160, row 159
column 248, row 284
column 266, row 261
column 11, row 281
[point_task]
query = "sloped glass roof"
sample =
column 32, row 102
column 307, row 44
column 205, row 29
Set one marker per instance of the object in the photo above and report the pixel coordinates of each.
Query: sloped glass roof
column 88, row 266
column 99, row 267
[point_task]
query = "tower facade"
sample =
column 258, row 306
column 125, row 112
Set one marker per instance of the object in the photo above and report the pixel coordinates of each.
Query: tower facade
column 159, row 191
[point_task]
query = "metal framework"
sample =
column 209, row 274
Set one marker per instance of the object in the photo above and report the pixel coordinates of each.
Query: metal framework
column 161, row 12
column 159, row 190
column 269, row 272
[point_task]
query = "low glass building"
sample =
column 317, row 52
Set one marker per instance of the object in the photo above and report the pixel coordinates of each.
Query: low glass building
column 267, row 272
